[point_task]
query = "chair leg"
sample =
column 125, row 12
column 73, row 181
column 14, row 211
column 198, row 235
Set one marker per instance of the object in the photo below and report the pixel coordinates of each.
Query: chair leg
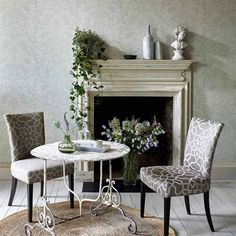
column 166, row 215
column 30, row 201
column 142, row 198
column 13, row 190
column 187, row 205
column 207, row 209
column 71, row 186
column 41, row 188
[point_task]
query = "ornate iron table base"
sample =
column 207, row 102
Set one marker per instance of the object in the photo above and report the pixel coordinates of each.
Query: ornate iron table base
column 108, row 195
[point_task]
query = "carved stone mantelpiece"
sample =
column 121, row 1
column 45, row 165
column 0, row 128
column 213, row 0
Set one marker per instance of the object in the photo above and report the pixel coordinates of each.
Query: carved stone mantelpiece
column 161, row 78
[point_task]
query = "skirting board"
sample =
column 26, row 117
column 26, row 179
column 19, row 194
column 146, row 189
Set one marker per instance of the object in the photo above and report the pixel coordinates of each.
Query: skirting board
column 223, row 173
column 5, row 171
column 218, row 172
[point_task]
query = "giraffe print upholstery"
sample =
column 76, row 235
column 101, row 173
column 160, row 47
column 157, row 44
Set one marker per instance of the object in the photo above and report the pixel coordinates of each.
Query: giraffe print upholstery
column 26, row 131
column 194, row 176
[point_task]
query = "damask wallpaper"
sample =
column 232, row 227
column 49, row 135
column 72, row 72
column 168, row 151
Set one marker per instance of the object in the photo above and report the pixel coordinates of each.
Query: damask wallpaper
column 36, row 56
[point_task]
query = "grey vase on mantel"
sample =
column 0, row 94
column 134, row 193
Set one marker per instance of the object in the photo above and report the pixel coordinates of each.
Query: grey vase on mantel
column 148, row 45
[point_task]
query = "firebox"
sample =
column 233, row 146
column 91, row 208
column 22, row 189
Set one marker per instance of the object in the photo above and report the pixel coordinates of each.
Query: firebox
column 142, row 108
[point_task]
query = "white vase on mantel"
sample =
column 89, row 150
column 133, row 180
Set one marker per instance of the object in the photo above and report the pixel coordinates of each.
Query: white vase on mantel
column 148, row 45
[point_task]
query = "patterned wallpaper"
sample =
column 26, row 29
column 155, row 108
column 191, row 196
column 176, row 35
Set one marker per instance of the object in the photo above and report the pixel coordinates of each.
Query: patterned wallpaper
column 35, row 54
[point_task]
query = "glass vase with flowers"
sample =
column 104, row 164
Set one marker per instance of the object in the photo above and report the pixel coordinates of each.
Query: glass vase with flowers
column 138, row 136
column 66, row 146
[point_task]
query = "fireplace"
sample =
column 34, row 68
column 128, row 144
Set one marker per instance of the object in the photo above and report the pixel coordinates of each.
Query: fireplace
column 143, row 108
column 164, row 84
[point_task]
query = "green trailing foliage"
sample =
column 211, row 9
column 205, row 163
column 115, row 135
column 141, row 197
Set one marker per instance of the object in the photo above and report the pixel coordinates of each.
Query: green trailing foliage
column 87, row 47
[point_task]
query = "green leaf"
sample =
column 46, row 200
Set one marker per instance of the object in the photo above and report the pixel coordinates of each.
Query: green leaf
column 87, row 46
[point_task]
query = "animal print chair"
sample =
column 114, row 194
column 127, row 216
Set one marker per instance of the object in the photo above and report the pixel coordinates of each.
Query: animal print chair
column 26, row 131
column 193, row 177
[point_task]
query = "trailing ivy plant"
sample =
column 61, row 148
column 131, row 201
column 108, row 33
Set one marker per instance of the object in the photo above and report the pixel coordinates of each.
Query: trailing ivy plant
column 87, row 46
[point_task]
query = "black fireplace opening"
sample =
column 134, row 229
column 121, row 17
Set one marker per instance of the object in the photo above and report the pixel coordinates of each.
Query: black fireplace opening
column 142, row 108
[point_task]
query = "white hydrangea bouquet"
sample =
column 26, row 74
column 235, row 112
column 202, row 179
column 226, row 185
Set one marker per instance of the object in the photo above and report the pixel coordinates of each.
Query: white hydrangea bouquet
column 138, row 136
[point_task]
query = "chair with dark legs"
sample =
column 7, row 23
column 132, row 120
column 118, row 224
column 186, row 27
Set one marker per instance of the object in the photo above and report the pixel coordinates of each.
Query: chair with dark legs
column 26, row 131
column 193, row 177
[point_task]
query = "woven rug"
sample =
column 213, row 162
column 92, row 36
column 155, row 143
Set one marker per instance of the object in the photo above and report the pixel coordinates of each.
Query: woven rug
column 108, row 222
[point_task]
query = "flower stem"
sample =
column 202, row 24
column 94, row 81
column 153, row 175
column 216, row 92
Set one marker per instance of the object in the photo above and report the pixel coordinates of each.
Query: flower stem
column 130, row 166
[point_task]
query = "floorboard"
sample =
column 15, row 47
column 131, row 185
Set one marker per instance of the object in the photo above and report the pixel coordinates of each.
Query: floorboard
column 222, row 203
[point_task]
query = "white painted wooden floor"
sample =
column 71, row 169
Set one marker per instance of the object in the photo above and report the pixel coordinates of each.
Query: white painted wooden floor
column 222, row 201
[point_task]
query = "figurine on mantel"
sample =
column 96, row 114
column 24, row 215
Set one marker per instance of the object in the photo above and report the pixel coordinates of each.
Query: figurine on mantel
column 179, row 44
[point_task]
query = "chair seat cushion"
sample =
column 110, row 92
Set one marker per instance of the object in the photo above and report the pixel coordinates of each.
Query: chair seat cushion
column 172, row 181
column 31, row 170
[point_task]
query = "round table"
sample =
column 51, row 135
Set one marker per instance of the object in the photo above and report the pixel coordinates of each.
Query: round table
column 50, row 152
column 107, row 195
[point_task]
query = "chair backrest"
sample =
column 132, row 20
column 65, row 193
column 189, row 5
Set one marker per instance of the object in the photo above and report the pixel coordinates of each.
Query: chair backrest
column 26, row 131
column 200, row 145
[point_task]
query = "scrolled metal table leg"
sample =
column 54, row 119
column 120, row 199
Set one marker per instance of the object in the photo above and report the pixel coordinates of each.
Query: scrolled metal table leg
column 65, row 183
column 93, row 208
column 132, row 226
column 45, row 218
column 110, row 196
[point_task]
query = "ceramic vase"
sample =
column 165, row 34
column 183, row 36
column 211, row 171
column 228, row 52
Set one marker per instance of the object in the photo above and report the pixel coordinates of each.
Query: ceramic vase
column 158, row 51
column 148, row 45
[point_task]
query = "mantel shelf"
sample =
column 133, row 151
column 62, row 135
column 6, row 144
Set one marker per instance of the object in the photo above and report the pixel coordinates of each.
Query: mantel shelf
column 115, row 64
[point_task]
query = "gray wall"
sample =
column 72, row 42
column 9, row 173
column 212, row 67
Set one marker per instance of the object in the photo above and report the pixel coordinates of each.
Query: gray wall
column 35, row 54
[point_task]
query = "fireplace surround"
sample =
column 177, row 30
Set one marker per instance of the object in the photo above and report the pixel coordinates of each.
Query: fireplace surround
column 150, row 78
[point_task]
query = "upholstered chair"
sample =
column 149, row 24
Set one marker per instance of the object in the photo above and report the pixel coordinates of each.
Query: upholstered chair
column 193, row 177
column 26, row 131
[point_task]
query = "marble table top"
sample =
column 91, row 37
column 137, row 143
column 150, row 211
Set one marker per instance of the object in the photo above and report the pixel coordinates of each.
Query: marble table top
column 50, row 152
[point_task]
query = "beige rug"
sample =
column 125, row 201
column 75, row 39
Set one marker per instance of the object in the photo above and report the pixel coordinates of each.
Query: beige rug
column 108, row 222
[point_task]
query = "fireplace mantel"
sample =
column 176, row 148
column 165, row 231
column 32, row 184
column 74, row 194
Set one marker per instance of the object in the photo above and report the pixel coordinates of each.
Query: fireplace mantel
column 144, row 70
column 145, row 64
column 161, row 78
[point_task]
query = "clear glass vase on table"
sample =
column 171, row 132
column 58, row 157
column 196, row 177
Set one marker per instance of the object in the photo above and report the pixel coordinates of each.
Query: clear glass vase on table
column 66, row 145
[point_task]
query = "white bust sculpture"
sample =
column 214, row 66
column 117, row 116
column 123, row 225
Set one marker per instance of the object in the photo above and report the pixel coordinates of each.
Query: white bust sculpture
column 179, row 44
